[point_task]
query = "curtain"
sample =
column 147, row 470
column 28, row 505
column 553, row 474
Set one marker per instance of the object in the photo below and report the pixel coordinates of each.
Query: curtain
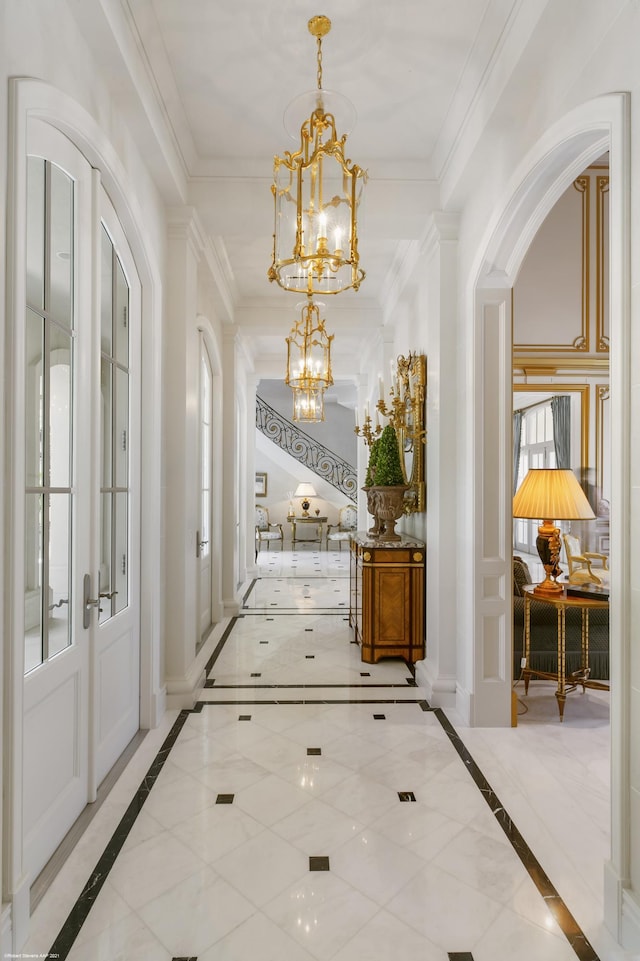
column 517, row 437
column 561, row 413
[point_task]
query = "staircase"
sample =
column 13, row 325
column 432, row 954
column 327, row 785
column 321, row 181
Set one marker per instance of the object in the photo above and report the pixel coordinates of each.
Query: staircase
column 318, row 458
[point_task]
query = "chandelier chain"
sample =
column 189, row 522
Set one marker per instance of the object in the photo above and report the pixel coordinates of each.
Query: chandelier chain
column 319, row 42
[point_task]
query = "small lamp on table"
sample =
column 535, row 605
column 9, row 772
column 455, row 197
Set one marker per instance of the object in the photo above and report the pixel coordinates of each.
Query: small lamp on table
column 550, row 494
column 305, row 491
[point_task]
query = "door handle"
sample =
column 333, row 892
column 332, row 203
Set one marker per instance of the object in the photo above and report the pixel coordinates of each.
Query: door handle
column 88, row 603
column 199, row 544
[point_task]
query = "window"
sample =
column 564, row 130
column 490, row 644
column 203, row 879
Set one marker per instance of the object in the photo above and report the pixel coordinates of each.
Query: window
column 537, row 449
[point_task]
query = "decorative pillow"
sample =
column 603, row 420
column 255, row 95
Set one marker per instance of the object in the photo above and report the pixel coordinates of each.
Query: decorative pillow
column 521, row 576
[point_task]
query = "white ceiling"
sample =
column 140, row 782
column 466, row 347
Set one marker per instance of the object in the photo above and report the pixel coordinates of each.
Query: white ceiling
column 224, row 71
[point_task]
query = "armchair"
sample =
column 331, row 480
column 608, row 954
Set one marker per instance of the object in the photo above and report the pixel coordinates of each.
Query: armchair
column 582, row 564
column 266, row 531
column 347, row 524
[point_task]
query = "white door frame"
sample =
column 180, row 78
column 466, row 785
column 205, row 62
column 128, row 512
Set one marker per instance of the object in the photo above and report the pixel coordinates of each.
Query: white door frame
column 561, row 155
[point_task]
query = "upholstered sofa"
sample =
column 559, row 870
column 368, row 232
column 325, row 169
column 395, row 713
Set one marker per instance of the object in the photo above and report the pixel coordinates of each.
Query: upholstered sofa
column 544, row 633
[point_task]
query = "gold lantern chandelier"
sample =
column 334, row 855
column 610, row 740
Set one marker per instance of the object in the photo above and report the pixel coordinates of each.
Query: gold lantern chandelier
column 309, row 364
column 317, row 192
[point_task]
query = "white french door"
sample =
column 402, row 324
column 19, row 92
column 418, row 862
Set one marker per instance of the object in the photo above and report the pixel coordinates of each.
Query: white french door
column 116, row 674
column 80, row 353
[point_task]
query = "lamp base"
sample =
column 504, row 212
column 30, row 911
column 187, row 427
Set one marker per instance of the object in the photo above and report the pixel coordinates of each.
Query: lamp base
column 548, row 544
column 548, row 588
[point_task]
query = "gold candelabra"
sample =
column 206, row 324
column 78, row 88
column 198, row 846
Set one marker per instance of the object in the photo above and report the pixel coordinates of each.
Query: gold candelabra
column 405, row 411
column 367, row 431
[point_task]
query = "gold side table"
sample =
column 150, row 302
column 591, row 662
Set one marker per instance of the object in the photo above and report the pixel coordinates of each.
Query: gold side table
column 316, row 520
column 581, row 677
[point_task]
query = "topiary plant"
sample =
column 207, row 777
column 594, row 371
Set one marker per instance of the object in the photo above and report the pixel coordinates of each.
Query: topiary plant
column 371, row 466
column 388, row 469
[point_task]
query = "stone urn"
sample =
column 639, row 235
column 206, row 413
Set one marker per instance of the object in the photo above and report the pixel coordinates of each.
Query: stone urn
column 389, row 506
column 376, row 530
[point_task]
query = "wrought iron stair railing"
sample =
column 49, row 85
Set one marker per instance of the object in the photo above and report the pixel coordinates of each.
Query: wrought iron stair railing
column 318, row 458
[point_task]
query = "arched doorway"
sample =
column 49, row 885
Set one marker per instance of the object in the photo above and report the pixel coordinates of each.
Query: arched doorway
column 559, row 157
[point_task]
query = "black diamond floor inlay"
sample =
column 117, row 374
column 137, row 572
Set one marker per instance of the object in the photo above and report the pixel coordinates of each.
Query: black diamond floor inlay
column 406, row 795
column 244, row 717
column 314, row 750
column 460, row 956
column 256, row 674
column 379, row 717
column 225, row 798
column 319, row 864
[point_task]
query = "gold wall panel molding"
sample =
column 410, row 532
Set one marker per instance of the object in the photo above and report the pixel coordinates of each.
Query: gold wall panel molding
column 550, row 367
column 580, row 343
column 602, row 263
column 584, row 391
column 602, row 397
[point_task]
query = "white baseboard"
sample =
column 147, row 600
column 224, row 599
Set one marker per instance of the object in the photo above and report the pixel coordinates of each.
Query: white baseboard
column 6, row 932
column 182, row 692
column 15, row 919
column 158, row 706
column 630, row 922
column 621, row 910
column 232, row 606
column 440, row 691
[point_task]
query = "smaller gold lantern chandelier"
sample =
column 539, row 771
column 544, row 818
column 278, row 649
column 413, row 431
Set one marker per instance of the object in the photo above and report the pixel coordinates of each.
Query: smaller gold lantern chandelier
column 309, row 364
column 316, row 193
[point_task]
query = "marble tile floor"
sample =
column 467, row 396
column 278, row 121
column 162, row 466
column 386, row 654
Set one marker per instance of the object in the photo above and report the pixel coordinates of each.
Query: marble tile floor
column 315, row 807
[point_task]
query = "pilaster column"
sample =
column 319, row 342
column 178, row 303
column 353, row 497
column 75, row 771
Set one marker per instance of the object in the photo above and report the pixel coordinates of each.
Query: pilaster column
column 251, row 381
column 232, row 490
column 484, row 636
column 438, row 303
column 181, row 457
column 362, row 452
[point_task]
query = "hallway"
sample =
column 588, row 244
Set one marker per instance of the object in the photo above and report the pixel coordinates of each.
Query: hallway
column 315, row 807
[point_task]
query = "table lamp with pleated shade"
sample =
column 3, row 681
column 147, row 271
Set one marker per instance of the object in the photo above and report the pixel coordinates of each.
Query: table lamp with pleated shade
column 550, row 494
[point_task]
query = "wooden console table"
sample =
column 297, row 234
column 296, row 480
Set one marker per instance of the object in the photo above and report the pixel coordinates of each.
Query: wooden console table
column 386, row 609
column 316, row 537
column 565, row 683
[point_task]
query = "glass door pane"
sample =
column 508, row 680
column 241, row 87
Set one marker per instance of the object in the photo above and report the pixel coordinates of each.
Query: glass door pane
column 59, row 600
column 106, row 582
column 48, row 411
column 114, row 491
column 33, row 595
column 35, row 232
column 34, row 413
